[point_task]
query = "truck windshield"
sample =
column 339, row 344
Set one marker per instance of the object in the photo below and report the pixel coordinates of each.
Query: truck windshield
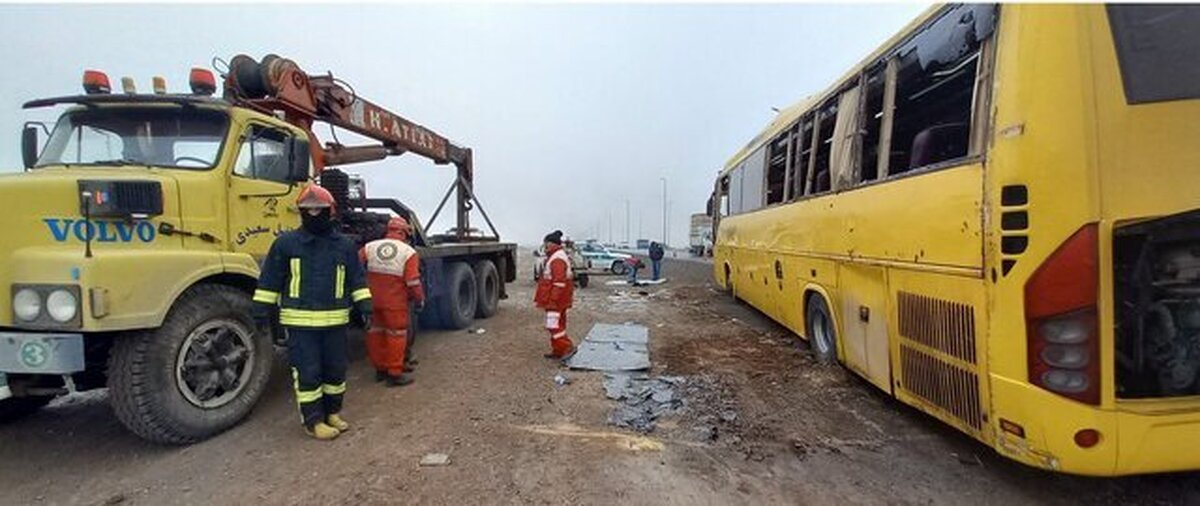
column 175, row 137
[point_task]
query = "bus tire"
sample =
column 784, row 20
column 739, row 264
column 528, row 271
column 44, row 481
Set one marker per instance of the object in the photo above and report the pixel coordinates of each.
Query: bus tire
column 198, row 374
column 487, row 280
column 16, row 408
column 822, row 333
column 459, row 305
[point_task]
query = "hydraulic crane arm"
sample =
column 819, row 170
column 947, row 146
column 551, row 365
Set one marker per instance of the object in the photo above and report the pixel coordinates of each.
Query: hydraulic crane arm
column 278, row 84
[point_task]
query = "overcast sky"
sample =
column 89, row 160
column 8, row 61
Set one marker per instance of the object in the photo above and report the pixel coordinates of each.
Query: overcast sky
column 572, row 110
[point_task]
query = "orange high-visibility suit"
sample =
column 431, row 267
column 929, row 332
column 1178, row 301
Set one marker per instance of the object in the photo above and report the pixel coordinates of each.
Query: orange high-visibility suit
column 394, row 277
column 555, row 293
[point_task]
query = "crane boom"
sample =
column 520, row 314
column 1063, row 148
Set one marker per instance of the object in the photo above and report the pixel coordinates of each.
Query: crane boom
column 279, row 84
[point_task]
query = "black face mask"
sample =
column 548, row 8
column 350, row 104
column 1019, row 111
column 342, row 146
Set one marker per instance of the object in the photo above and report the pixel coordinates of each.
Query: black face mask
column 320, row 224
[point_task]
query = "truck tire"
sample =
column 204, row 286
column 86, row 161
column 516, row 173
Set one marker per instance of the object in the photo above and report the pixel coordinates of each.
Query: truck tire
column 487, row 281
column 198, row 374
column 15, row 408
column 457, row 308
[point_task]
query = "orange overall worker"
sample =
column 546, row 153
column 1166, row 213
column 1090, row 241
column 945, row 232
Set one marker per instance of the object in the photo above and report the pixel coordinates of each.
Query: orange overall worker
column 555, row 291
column 394, row 276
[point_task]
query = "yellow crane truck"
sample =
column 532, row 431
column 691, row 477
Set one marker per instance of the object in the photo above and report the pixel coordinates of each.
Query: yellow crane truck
column 132, row 240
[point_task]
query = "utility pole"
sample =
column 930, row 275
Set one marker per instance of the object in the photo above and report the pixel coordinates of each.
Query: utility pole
column 664, row 204
column 627, row 234
column 610, row 236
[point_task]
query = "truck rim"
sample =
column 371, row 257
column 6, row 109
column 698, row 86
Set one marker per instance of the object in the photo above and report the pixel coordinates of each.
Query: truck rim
column 214, row 363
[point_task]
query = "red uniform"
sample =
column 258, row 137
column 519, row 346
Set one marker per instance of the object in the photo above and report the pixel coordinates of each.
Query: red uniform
column 555, row 293
column 394, row 277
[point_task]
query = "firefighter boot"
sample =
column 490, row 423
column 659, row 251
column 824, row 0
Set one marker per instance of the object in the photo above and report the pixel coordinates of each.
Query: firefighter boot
column 337, row 422
column 322, row 432
column 399, row 381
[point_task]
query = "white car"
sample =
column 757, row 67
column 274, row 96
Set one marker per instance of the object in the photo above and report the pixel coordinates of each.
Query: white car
column 601, row 257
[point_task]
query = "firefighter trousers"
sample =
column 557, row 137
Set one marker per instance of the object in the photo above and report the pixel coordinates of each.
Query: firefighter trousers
column 560, row 343
column 318, row 358
column 387, row 340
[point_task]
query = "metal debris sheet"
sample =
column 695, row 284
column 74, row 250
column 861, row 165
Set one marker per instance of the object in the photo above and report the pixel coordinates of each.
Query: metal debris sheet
column 610, row 347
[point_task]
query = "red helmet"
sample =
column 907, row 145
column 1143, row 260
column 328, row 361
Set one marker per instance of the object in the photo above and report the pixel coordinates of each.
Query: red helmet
column 399, row 226
column 314, row 197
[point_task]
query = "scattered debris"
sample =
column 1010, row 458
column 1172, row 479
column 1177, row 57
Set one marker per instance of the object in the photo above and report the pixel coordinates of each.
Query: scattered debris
column 643, row 399
column 561, row 380
column 435, row 460
column 116, row 499
column 610, row 347
column 477, row 331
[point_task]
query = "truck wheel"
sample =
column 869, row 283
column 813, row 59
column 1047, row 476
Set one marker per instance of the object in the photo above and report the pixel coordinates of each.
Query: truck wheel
column 583, row 280
column 15, row 408
column 458, row 306
column 198, row 374
column 619, row 268
column 487, row 281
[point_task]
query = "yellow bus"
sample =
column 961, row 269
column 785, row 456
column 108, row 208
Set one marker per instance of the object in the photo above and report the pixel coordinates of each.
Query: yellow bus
column 995, row 218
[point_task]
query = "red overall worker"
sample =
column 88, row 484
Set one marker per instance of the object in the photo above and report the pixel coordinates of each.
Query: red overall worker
column 555, row 291
column 394, row 277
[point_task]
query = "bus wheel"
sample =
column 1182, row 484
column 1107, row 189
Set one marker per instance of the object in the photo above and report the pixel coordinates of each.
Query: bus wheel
column 822, row 334
column 487, row 279
column 198, row 374
column 462, row 295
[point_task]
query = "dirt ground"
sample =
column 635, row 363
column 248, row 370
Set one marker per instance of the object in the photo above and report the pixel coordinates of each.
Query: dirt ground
column 761, row 424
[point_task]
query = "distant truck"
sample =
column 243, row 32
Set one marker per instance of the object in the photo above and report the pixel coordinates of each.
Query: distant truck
column 700, row 238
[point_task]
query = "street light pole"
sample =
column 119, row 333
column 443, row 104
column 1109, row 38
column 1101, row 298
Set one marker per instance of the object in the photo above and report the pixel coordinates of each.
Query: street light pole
column 626, row 221
column 664, row 204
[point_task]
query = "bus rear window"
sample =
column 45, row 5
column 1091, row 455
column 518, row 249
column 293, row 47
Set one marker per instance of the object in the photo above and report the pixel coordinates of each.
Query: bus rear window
column 1158, row 48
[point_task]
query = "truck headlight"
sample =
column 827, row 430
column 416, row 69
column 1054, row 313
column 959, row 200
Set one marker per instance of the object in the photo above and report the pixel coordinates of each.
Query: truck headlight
column 62, row 305
column 27, row 304
column 46, row 306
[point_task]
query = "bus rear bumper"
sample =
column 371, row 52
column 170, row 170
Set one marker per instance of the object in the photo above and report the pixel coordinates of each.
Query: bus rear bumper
column 1158, row 437
column 1156, row 443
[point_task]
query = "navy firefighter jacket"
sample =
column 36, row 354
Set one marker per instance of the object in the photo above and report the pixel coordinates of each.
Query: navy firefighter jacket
column 313, row 279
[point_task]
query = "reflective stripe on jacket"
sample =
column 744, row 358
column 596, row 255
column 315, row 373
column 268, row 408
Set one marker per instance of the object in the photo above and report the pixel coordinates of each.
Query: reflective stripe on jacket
column 393, row 273
column 313, row 279
column 556, row 288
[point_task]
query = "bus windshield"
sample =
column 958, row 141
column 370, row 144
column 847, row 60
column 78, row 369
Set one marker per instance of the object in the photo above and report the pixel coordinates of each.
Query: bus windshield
column 174, row 137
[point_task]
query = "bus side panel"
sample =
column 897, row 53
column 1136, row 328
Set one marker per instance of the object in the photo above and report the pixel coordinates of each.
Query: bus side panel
column 939, row 347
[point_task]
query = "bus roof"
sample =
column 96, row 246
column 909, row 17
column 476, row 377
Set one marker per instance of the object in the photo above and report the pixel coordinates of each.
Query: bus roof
column 792, row 113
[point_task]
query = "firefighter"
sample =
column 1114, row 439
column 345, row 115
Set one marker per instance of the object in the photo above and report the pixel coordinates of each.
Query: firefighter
column 554, row 294
column 311, row 278
column 394, row 276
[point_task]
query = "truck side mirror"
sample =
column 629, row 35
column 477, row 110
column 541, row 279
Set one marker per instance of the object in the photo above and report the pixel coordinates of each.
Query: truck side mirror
column 298, row 160
column 29, row 146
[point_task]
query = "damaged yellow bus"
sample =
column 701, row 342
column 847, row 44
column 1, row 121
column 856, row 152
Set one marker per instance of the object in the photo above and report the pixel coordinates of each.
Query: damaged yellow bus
column 995, row 218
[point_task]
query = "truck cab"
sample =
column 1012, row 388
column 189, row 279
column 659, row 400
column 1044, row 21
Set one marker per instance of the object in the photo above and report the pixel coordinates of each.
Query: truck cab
column 132, row 245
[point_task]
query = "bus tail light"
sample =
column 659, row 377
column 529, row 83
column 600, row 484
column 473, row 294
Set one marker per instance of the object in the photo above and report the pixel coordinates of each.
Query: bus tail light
column 1061, row 319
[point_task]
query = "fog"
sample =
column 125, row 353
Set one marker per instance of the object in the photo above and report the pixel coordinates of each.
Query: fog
column 575, row 113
